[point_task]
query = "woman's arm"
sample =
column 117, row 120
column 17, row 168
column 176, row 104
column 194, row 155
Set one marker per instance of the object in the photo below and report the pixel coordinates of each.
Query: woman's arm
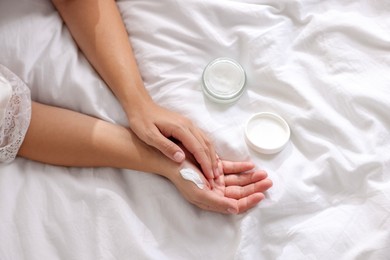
column 98, row 29
column 62, row 137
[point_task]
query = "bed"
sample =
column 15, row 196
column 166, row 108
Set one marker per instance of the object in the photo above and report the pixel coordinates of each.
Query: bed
column 324, row 66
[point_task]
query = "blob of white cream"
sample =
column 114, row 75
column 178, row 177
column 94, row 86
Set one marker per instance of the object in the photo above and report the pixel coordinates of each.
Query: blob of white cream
column 191, row 175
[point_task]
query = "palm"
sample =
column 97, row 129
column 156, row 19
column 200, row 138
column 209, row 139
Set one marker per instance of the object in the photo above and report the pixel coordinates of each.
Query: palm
column 238, row 189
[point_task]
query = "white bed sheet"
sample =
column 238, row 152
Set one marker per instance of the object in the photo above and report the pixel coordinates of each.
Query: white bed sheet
column 322, row 65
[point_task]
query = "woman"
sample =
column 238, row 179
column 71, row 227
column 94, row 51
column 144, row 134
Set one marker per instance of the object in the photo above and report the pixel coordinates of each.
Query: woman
column 62, row 137
column 98, row 29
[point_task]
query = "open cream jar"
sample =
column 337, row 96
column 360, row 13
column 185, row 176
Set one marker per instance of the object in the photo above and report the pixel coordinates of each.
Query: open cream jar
column 223, row 80
column 267, row 133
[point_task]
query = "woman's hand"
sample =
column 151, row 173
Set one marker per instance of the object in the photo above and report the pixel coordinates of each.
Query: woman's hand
column 156, row 126
column 238, row 189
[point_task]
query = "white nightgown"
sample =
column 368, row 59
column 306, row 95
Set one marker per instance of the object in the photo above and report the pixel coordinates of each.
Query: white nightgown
column 15, row 113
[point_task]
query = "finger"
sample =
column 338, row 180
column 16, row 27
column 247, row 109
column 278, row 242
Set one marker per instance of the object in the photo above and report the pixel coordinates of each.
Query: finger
column 243, row 179
column 208, row 208
column 153, row 137
column 249, row 202
column 213, row 155
column 239, row 192
column 220, row 181
column 206, row 156
column 214, row 183
column 217, row 203
column 236, row 167
column 197, row 147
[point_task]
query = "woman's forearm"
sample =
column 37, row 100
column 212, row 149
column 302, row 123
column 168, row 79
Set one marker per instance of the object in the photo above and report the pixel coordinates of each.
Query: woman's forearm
column 98, row 29
column 62, row 137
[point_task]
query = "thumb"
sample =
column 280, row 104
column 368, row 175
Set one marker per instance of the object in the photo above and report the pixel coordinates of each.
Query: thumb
column 168, row 148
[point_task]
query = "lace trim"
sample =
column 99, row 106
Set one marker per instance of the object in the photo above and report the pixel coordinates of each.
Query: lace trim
column 17, row 117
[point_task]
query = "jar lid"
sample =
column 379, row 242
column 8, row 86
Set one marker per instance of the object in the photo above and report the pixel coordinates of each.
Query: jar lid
column 267, row 133
column 223, row 80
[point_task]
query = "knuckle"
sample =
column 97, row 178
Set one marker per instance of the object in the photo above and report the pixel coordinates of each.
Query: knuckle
column 178, row 129
column 199, row 153
column 185, row 121
column 204, row 150
column 167, row 146
column 149, row 136
column 182, row 128
column 207, row 141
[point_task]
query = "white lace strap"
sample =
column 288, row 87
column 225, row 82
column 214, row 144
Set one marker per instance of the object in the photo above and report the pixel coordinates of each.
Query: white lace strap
column 15, row 117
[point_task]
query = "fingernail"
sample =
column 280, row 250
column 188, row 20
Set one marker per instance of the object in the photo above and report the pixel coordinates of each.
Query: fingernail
column 178, row 156
column 232, row 211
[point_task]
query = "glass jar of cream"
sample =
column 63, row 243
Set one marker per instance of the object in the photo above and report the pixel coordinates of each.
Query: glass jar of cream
column 223, row 80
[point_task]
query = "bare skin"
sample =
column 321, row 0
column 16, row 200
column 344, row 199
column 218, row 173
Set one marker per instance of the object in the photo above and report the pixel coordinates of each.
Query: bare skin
column 239, row 188
column 98, row 29
column 62, row 137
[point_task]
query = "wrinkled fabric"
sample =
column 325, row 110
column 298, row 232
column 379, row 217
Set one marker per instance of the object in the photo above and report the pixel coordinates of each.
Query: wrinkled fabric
column 321, row 65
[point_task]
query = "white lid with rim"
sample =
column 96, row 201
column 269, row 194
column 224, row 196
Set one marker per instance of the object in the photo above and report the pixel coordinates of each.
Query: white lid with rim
column 223, row 80
column 267, row 133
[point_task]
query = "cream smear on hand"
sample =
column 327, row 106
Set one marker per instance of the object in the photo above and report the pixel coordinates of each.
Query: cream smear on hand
column 191, row 175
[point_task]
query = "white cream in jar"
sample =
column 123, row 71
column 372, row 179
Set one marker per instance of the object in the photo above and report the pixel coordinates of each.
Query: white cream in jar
column 267, row 133
column 223, row 80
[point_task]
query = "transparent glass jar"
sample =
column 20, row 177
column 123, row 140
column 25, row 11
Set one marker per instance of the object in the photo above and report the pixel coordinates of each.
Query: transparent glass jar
column 223, row 80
